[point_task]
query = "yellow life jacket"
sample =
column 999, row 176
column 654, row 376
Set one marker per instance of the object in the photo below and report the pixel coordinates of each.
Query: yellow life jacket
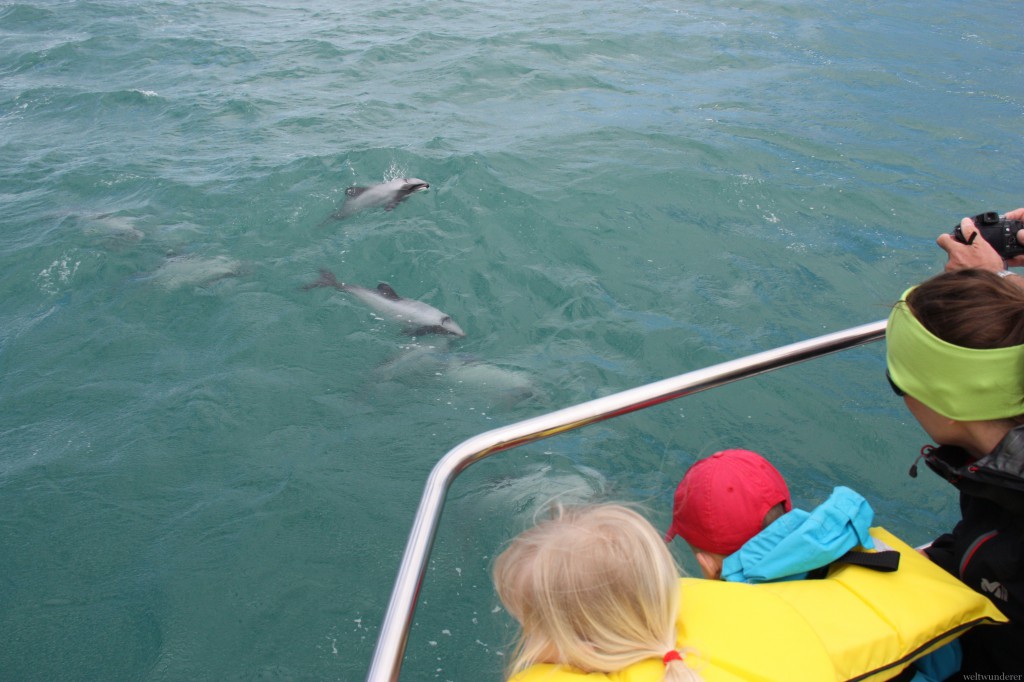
column 855, row 624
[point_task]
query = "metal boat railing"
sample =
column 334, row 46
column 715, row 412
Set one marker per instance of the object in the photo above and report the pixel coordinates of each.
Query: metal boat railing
column 394, row 632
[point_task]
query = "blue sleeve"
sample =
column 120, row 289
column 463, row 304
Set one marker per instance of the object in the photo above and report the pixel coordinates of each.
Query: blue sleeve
column 940, row 664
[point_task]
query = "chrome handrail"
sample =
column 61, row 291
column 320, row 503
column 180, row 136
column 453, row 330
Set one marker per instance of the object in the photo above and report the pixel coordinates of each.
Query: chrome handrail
column 394, row 632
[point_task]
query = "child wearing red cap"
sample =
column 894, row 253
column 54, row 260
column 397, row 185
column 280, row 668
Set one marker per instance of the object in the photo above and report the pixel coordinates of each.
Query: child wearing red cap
column 734, row 510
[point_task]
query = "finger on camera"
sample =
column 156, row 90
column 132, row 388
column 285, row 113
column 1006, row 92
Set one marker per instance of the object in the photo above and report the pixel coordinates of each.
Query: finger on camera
column 967, row 228
column 949, row 243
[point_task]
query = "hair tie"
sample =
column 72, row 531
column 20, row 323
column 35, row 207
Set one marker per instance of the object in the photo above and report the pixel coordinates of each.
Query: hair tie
column 672, row 655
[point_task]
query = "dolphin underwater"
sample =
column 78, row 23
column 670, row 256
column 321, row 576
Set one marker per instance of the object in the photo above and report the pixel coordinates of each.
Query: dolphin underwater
column 421, row 317
column 184, row 271
column 492, row 384
column 388, row 194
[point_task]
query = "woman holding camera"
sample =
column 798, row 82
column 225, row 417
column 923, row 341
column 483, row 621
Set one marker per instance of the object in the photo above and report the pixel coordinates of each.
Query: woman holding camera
column 955, row 352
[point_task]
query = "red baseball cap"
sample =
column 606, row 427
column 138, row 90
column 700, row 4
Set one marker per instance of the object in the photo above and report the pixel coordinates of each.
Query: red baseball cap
column 722, row 500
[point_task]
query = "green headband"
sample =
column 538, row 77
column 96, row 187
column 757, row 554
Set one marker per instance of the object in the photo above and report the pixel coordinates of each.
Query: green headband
column 965, row 384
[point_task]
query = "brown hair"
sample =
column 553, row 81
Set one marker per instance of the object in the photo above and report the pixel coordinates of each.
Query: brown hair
column 773, row 515
column 971, row 308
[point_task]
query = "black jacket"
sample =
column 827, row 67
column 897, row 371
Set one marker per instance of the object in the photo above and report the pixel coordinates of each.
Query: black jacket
column 986, row 548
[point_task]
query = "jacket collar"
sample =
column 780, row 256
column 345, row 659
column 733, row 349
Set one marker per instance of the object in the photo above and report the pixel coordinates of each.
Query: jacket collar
column 998, row 476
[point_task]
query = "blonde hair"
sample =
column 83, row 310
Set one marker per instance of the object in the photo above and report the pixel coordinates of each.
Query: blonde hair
column 594, row 588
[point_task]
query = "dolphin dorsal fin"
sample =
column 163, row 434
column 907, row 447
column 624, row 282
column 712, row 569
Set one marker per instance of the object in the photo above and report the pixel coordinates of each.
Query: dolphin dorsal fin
column 386, row 291
column 355, row 191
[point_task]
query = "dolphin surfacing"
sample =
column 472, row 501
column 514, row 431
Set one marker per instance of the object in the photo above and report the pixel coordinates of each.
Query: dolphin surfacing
column 420, row 318
column 387, row 194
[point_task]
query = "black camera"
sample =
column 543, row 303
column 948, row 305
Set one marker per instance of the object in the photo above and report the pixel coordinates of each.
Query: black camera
column 997, row 231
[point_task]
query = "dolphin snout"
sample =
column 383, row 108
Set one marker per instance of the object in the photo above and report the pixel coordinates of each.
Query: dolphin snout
column 449, row 325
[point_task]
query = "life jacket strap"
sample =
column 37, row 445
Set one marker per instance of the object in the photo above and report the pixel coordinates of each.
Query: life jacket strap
column 886, row 561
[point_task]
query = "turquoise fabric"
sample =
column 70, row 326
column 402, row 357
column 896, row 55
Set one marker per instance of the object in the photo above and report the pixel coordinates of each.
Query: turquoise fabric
column 801, row 541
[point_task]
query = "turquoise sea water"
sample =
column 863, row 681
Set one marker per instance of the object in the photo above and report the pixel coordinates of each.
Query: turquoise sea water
column 208, row 473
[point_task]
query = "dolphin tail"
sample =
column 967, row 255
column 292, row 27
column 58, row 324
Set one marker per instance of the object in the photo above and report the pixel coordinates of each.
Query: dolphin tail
column 327, row 279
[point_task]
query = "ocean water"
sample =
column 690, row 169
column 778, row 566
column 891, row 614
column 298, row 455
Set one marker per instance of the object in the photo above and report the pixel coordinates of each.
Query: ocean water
column 208, row 472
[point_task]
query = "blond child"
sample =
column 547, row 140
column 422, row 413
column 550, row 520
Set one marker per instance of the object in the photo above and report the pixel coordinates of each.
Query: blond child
column 594, row 590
